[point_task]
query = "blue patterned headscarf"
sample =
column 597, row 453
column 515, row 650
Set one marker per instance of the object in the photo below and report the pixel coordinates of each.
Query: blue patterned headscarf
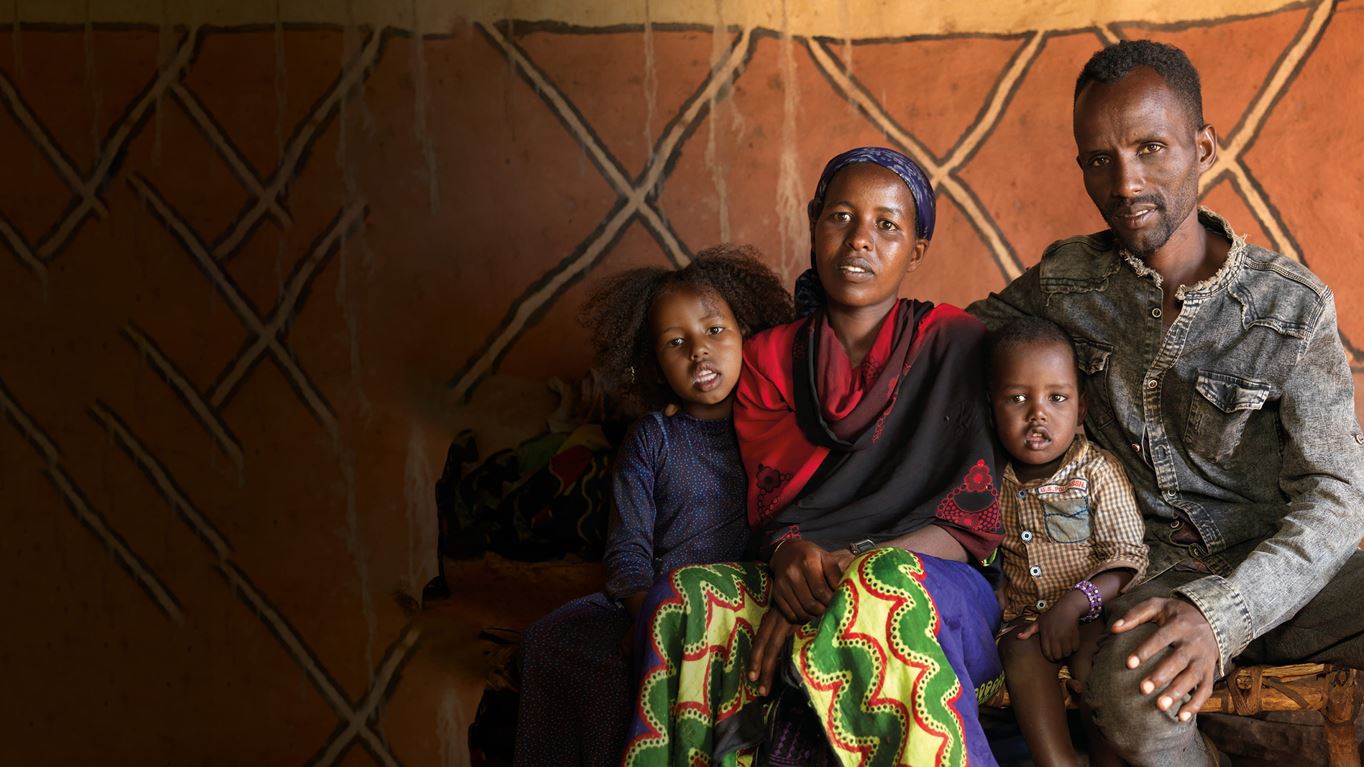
column 809, row 293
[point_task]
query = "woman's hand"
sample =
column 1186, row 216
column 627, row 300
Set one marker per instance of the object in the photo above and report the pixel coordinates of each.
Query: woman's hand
column 804, row 577
column 767, row 648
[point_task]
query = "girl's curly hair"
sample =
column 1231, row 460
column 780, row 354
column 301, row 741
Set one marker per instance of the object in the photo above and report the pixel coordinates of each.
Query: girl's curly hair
column 617, row 315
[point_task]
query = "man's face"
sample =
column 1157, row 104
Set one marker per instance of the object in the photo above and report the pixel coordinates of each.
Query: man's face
column 1141, row 156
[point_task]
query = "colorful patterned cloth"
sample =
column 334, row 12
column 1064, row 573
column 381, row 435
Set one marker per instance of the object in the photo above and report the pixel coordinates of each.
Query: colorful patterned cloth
column 893, row 669
column 547, row 497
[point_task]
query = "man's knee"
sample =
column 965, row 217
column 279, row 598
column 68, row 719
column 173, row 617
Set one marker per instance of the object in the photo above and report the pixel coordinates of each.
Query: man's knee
column 1128, row 717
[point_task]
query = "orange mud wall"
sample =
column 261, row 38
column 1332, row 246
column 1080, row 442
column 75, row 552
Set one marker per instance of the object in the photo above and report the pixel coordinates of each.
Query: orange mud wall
column 258, row 264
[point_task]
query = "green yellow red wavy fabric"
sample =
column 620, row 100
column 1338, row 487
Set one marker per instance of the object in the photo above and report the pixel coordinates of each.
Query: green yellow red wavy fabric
column 893, row 669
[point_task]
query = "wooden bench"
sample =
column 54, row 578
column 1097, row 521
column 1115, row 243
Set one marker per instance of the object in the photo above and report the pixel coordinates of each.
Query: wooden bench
column 1331, row 690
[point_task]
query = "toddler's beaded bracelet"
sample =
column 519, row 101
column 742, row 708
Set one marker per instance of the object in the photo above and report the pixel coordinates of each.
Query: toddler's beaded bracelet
column 1096, row 601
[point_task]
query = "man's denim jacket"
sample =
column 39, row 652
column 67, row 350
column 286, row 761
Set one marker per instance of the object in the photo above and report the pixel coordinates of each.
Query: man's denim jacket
column 1241, row 415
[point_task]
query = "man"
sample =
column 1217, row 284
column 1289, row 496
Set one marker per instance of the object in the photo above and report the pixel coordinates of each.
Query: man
column 1216, row 375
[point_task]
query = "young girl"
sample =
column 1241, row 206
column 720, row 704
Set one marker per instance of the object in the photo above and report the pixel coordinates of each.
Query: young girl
column 669, row 342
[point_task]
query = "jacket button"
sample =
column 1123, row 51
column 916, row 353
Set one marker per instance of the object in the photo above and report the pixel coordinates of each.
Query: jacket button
column 1156, row 312
column 1136, row 447
column 1041, row 604
column 1026, row 535
column 1034, row 571
column 1151, row 383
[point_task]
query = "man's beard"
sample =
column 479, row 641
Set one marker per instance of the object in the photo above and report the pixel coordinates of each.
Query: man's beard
column 1151, row 239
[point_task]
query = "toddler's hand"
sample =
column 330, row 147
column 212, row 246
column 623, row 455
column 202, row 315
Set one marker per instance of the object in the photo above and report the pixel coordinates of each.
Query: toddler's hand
column 1058, row 633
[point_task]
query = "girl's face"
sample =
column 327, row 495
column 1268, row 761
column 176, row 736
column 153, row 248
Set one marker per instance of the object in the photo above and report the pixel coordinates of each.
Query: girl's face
column 864, row 238
column 699, row 348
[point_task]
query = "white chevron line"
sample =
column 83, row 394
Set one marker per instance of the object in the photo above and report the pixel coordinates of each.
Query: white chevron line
column 634, row 195
column 130, row 561
column 1259, row 206
column 93, row 520
column 33, row 127
column 240, row 167
column 196, row 248
column 27, row 427
column 288, row 303
column 395, row 659
column 242, row 586
column 1229, row 158
column 999, row 97
column 615, row 175
column 188, row 394
column 200, row 524
column 1297, row 51
column 269, row 196
column 21, row 249
column 113, row 147
column 86, row 190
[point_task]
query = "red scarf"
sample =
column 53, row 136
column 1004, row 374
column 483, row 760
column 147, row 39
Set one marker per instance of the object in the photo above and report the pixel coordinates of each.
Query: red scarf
column 778, row 457
column 811, row 428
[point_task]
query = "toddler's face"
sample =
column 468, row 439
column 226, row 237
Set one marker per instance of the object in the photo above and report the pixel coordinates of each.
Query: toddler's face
column 699, row 348
column 1037, row 405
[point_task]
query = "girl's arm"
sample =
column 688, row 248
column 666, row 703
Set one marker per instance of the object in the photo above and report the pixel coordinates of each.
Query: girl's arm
column 1058, row 628
column 629, row 558
column 633, row 603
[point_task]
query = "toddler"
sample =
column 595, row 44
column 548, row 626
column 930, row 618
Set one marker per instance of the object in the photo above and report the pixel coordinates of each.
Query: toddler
column 1072, row 532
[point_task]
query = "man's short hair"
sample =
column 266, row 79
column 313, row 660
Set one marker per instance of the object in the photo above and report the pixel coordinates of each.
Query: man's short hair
column 1116, row 61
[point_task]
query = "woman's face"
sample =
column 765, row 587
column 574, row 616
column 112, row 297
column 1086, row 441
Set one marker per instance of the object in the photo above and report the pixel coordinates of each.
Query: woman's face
column 864, row 238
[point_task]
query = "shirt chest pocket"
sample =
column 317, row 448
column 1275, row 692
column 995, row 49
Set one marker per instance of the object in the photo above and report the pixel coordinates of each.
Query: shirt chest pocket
column 1093, row 359
column 1066, row 516
column 1221, row 407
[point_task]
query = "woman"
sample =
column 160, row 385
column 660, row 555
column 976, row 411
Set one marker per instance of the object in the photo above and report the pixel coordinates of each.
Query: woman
column 870, row 462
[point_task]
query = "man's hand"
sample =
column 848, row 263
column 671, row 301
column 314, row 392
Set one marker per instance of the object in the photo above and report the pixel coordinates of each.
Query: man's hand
column 1192, row 662
column 767, row 647
column 804, row 577
column 1059, row 628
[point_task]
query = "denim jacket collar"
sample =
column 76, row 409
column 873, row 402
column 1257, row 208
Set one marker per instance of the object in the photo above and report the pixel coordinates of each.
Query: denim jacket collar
column 1217, row 225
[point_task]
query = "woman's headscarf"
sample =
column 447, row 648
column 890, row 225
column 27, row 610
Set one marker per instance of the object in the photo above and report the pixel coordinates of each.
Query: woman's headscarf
column 809, row 291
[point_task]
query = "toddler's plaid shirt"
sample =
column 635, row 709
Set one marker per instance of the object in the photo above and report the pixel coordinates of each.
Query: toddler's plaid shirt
column 1073, row 525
